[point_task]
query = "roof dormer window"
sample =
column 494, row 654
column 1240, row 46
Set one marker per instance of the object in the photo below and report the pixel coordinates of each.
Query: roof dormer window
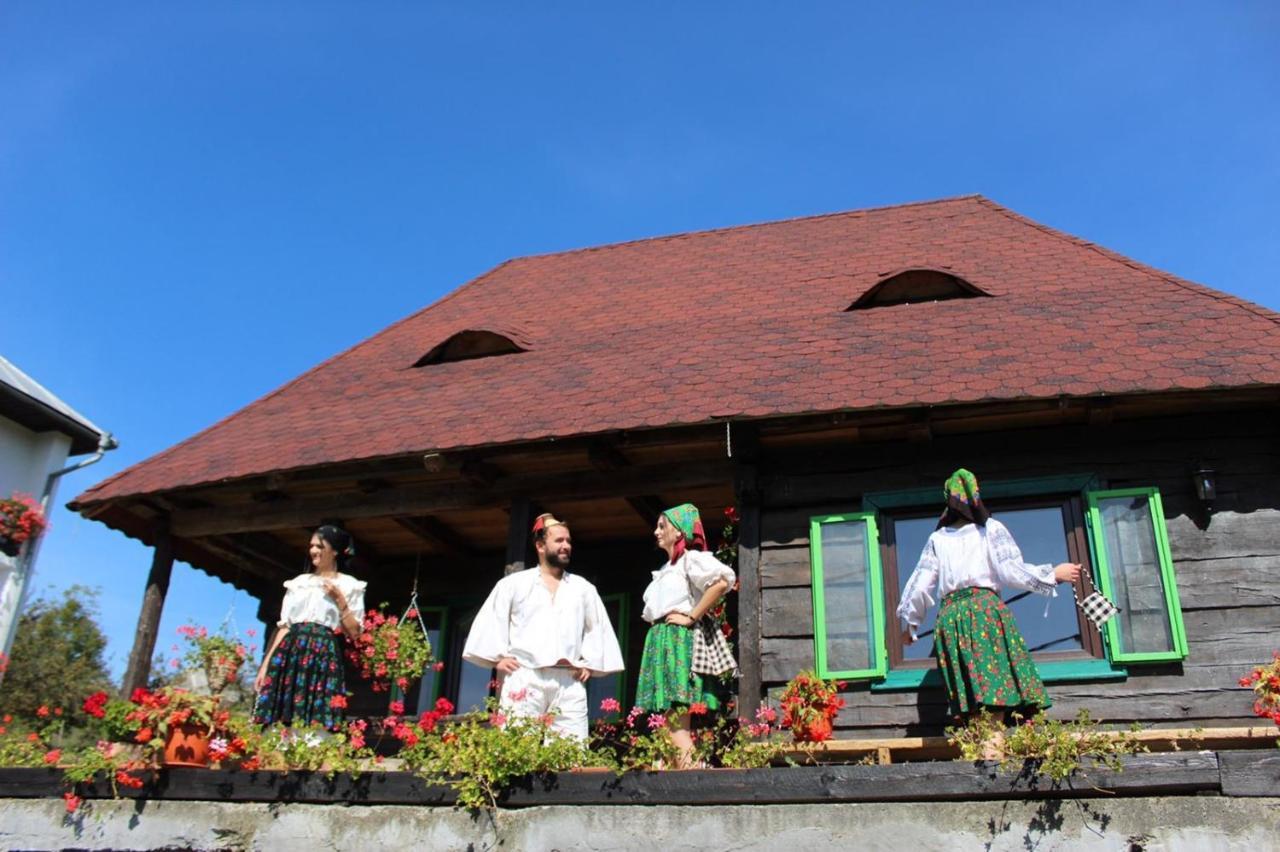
column 467, row 345
column 916, row 284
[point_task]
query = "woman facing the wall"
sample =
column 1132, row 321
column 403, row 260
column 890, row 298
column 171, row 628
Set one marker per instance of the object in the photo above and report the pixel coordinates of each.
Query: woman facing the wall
column 967, row 560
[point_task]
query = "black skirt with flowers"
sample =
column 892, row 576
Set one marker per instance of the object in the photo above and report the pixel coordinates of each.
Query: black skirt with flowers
column 304, row 676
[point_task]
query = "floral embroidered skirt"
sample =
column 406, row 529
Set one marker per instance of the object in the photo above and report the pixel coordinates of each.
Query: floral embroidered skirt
column 666, row 676
column 982, row 656
column 303, row 676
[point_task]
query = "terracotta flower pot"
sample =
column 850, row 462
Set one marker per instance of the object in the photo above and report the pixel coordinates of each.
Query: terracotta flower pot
column 187, row 745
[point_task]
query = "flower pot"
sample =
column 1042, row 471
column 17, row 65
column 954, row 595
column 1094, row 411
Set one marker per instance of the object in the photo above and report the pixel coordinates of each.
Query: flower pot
column 187, row 745
column 8, row 546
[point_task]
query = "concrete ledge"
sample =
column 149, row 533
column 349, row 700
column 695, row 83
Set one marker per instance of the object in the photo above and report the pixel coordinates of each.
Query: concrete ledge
column 1181, row 823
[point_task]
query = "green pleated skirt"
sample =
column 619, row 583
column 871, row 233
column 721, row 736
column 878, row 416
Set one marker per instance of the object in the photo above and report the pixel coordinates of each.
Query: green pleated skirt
column 982, row 656
column 666, row 678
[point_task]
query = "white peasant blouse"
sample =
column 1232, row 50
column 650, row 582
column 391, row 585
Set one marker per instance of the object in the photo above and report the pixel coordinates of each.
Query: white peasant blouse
column 968, row 556
column 673, row 585
column 521, row 618
column 305, row 600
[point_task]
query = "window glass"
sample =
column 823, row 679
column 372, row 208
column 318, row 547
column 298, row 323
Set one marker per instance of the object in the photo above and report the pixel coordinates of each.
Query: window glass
column 1137, row 583
column 846, row 596
column 473, row 680
column 600, row 688
column 427, row 688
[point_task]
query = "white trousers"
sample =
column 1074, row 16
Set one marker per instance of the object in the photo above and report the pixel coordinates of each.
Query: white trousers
column 531, row 692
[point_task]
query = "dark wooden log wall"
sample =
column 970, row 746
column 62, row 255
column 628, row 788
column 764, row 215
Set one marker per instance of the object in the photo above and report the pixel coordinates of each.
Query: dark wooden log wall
column 462, row 583
column 1227, row 562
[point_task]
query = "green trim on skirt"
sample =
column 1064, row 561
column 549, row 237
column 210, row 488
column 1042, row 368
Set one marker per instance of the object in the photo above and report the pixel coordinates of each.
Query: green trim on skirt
column 666, row 680
column 982, row 656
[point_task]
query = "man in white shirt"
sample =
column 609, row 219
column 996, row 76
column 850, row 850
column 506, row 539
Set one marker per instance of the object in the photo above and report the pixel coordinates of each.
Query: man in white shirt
column 546, row 632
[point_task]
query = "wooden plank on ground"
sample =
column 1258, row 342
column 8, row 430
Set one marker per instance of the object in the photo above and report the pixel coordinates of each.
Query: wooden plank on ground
column 937, row 748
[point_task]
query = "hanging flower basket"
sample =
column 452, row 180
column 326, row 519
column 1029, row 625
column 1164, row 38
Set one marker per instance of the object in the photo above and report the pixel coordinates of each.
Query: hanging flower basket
column 391, row 651
column 21, row 519
column 219, row 655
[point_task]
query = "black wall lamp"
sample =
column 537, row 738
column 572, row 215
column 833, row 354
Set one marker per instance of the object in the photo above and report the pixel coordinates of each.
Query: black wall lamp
column 1206, row 484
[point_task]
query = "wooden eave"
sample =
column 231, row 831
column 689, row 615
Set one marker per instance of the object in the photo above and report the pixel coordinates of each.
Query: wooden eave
column 251, row 530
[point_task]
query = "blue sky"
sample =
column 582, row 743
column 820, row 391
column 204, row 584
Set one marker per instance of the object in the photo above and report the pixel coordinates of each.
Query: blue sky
column 200, row 201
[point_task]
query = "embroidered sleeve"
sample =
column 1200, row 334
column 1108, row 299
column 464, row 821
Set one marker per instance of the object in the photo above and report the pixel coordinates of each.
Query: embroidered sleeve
column 1010, row 570
column 917, row 595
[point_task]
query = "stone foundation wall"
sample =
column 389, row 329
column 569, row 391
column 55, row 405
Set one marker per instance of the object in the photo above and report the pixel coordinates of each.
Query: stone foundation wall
column 1210, row 823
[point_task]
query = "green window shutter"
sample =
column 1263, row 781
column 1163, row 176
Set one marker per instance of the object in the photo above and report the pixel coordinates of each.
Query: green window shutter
column 1134, row 569
column 848, row 596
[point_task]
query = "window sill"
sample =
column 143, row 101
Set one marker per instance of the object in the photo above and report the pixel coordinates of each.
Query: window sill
column 1063, row 671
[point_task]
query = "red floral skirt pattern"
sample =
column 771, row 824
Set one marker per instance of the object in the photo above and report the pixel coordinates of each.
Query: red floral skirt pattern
column 303, row 676
column 982, row 656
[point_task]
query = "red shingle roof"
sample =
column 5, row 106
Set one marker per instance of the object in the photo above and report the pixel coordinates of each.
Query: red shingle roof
column 746, row 322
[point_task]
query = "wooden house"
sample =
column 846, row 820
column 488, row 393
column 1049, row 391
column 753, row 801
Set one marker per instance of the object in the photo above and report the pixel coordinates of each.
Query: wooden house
column 823, row 375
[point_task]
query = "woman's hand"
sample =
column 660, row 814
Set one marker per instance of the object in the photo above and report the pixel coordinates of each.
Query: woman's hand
column 260, row 682
column 1067, row 572
column 679, row 619
column 907, row 638
column 331, row 589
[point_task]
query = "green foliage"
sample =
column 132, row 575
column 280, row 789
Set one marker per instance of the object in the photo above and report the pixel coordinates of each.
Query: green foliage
column 481, row 755
column 57, row 652
column 311, row 749
column 20, row 746
column 1055, row 748
column 736, row 745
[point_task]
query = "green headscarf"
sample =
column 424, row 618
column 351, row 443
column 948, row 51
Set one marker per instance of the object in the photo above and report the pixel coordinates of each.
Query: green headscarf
column 685, row 518
column 963, row 499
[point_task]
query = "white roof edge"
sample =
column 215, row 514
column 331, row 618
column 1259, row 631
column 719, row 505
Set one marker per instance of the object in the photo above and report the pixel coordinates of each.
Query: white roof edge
column 24, row 384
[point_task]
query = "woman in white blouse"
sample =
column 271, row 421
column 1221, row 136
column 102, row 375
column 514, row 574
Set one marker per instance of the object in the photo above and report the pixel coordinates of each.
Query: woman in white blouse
column 966, row 561
column 682, row 591
column 300, row 681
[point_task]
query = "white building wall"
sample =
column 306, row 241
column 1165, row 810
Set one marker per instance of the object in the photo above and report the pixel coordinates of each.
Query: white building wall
column 26, row 460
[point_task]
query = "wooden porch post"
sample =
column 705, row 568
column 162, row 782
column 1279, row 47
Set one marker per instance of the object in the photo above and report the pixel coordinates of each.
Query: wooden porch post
column 518, row 536
column 144, row 640
column 749, row 684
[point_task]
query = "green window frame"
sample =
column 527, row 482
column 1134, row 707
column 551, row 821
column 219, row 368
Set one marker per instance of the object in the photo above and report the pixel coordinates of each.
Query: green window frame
column 1107, row 568
column 823, row 569
column 1115, row 573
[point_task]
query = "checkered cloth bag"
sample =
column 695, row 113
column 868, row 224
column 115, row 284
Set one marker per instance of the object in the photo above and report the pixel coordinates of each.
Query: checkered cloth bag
column 711, row 652
column 1096, row 607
